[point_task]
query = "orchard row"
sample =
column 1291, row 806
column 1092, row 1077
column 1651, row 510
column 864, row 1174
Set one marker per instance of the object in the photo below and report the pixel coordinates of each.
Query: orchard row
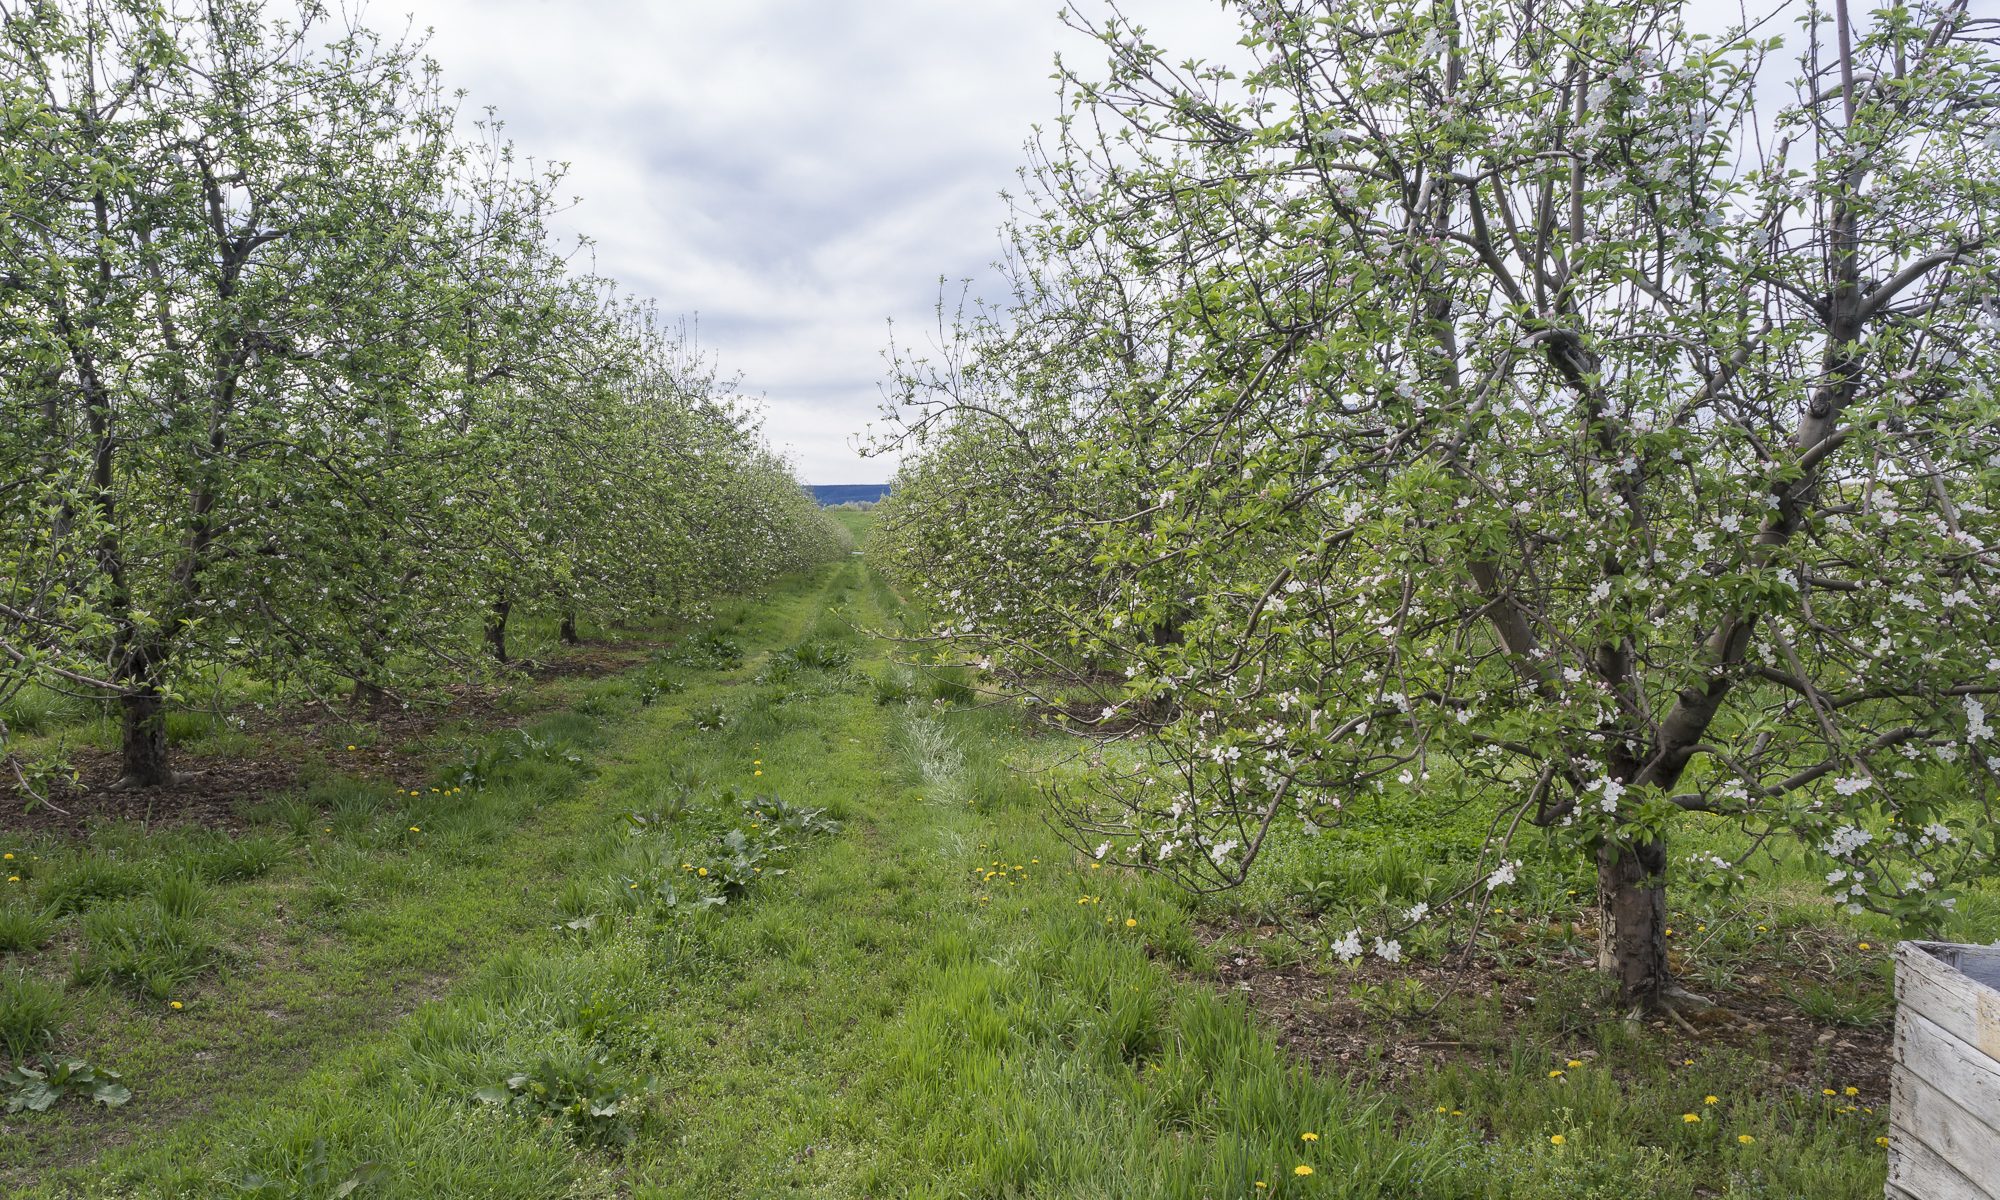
column 295, row 378
column 1540, row 410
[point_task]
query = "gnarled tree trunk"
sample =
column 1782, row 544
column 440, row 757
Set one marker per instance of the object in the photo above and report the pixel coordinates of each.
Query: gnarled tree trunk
column 568, row 632
column 144, row 739
column 368, row 696
column 1632, row 921
column 496, row 628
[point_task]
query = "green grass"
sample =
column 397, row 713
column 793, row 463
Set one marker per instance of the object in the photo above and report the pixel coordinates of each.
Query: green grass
column 24, row 927
column 524, row 986
column 38, row 710
column 30, row 1011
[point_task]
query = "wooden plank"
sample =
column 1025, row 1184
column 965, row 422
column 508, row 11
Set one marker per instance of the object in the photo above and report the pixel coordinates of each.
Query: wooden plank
column 1960, row 1071
column 1923, row 1117
column 1981, row 963
column 1953, row 1001
column 1917, row 1173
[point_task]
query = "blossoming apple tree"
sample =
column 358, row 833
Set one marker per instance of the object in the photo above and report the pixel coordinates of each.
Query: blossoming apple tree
column 294, row 379
column 1548, row 403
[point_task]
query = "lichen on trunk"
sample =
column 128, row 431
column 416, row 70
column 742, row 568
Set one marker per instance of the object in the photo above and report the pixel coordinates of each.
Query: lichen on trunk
column 1632, row 921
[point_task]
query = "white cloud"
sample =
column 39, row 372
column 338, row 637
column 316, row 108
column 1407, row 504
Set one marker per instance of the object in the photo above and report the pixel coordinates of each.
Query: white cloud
column 795, row 173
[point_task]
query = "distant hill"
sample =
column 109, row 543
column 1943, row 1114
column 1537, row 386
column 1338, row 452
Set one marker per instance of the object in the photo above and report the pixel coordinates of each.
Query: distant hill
column 843, row 493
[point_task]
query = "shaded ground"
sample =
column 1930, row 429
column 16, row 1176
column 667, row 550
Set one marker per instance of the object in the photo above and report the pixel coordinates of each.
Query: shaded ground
column 211, row 790
column 207, row 792
column 1369, row 1021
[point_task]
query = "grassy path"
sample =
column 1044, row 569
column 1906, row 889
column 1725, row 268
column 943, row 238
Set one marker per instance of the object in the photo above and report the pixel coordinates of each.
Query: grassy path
column 934, row 999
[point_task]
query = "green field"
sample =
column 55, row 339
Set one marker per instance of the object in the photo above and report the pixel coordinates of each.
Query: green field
column 522, row 984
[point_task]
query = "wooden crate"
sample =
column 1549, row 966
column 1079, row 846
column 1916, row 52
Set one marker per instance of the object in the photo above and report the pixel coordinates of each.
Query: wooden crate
column 1944, row 1114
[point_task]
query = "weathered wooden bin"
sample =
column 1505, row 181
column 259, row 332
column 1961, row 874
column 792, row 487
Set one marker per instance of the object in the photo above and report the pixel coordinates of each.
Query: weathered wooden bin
column 1944, row 1114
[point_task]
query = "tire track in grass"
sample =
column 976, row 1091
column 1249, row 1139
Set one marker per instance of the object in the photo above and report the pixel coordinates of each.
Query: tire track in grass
column 946, row 1001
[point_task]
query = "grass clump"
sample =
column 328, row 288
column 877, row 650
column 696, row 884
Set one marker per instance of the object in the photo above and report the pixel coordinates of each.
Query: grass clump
column 145, row 946
column 81, row 881
column 30, row 1014
column 24, row 927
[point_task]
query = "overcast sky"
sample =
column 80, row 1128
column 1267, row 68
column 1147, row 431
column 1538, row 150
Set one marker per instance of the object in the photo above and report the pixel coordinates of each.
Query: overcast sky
column 796, row 172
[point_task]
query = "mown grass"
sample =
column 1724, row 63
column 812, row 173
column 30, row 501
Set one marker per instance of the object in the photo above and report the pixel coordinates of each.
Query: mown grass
column 343, row 909
column 520, row 989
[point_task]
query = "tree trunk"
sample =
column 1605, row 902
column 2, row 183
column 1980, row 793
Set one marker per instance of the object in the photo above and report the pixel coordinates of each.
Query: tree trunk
column 496, row 628
column 1632, row 921
column 568, row 632
column 145, row 739
column 369, row 697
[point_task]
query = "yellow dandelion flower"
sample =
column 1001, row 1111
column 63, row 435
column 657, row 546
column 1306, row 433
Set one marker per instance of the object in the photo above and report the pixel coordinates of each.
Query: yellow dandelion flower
column 756, row 772
column 1690, row 1118
column 1097, row 866
column 1862, row 946
column 1556, row 1139
column 1131, row 922
column 1881, row 1141
column 13, row 879
column 1457, row 1112
column 1850, row 1091
column 416, row 829
column 1710, row 1100
column 174, row 1004
column 1744, row 1139
column 702, row 871
column 1302, row 1169
column 1308, row 1136
column 1555, row 1074
column 1441, row 1108
column 1827, row 1092
column 9, row 858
